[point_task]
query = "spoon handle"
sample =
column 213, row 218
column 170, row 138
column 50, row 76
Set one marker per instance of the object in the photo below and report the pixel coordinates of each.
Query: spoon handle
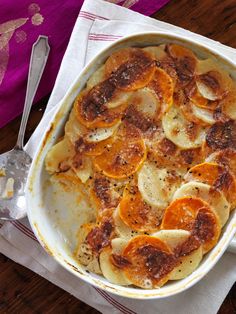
column 38, row 59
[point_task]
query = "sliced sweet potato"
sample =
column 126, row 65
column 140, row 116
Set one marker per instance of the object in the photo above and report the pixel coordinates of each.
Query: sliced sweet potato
column 194, row 215
column 150, row 262
column 125, row 155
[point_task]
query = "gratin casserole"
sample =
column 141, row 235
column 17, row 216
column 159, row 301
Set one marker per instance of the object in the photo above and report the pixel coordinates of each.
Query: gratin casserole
column 150, row 143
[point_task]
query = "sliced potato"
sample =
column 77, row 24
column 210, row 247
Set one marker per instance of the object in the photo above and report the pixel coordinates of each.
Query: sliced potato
column 180, row 131
column 187, row 265
column 131, row 67
column 84, row 253
column 157, row 52
column 101, row 134
column 119, row 99
column 157, row 185
column 226, row 158
column 179, row 52
column 68, row 180
column 110, row 271
column 104, row 194
column 163, row 86
column 82, row 166
column 172, row 238
column 203, row 114
column 74, row 129
column 90, row 106
column 97, row 77
column 121, row 229
column 118, row 245
column 126, row 154
column 118, row 58
column 229, row 103
column 145, row 101
column 214, row 198
column 58, row 154
column 213, row 82
column 219, row 177
column 185, row 62
column 83, row 147
column 194, row 215
column 151, row 261
column 136, row 213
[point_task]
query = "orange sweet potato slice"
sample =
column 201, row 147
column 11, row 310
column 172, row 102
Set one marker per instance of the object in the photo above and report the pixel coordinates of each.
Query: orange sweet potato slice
column 226, row 158
column 202, row 102
column 130, row 68
column 118, row 58
column 163, row 86
column 90, row 106
column 228, row 103
column 194, row 215
column 150, row 261
column 136, row 213
column 125, row 155
column 185, row 62
column 103, row 193
column 92, row 148
column 217, row 176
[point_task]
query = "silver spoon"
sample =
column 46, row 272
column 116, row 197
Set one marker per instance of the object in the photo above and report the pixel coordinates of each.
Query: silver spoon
column 15, row 164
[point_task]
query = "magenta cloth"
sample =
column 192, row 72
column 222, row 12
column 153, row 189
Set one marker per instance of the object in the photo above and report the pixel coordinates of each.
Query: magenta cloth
column 21, row 22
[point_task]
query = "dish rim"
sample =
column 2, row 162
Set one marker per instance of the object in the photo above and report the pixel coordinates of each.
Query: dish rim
column 226, row 236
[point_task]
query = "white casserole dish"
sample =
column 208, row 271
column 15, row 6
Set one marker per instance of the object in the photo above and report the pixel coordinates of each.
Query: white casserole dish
column 56, row 227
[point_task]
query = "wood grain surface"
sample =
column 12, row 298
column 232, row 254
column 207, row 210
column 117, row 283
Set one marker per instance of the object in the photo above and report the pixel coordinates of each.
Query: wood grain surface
column 22, row 291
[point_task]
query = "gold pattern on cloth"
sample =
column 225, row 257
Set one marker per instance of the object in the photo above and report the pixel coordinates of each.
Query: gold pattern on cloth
column 129, row 3
column 20, row 36
column 7, row 29
column 11, row 27
column 33, row 8
column 37, row 19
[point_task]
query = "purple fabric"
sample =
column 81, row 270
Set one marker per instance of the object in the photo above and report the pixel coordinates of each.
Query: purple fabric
column 21, row 22
column 147, row 7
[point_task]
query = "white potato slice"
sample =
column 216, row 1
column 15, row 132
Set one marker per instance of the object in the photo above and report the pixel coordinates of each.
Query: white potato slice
column 112, row 273
column 118, row 245
column 101, row 134
column 219, row 74
column 121, row 229
column 97, row 77
column 187, row 265
column 214, row 198
column 173, row 238
column 74, row 129
column 146, row 102
column 203, row 114
column 157, row 52
column 205, row 91
column 177, row 129
column 156, row 185
column 84, row 253
column 224, row 157
column 229, row 103
column 119, row 98
column 84, row 171
column 59, row 153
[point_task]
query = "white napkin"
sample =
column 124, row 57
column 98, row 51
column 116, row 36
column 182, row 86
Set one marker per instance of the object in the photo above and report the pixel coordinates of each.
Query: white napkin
column 98, row 24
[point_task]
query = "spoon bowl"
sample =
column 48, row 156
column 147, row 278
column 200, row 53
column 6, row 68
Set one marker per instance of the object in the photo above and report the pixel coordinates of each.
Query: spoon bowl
column 14, row 168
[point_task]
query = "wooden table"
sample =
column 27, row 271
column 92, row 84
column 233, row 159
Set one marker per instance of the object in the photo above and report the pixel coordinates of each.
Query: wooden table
column 22, row 291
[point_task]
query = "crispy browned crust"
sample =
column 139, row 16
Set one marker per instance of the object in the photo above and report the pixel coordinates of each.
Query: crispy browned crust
column 222, row 135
